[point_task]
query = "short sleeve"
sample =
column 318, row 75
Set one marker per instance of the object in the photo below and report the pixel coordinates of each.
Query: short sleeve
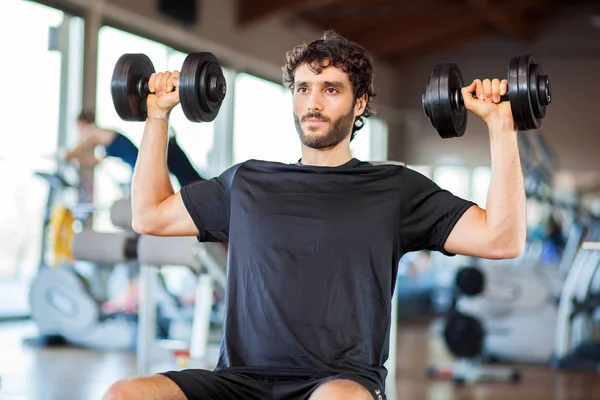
column 428, row 213
column 208, row 203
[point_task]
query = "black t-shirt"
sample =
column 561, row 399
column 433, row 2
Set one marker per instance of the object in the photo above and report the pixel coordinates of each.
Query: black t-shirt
column 313, row 258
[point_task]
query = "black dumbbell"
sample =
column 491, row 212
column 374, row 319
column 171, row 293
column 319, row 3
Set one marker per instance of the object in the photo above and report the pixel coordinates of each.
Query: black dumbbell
column 470, row 281
column 202, row 86
column 528, row 92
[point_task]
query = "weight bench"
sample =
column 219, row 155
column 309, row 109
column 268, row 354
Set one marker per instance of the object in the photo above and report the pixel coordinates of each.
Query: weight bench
column 108, row 248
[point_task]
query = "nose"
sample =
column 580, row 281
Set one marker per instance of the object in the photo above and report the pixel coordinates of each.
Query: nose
column 315, row 102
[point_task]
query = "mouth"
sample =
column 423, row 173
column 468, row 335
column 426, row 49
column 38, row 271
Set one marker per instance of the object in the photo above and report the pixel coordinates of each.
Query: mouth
column 314, row 121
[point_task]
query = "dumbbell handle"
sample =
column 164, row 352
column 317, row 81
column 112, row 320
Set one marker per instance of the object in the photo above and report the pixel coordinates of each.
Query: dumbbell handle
column 218, row 88
column 143, row 89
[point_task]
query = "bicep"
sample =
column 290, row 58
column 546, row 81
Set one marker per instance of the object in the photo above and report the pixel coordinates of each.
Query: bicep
column 469, row 236
column 173, row 218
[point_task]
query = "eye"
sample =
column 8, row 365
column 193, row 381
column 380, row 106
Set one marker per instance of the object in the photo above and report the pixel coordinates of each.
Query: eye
column 331, row 90
column 301, row 90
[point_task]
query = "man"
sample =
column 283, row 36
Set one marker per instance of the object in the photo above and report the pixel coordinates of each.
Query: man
column 314, row 246
column 119, row 146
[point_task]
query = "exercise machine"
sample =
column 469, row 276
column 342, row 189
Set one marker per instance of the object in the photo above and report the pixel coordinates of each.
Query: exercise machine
column 577, row 345
column 65, row 303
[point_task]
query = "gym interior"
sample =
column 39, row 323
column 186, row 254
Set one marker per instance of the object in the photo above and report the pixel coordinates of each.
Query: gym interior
column 86, row 301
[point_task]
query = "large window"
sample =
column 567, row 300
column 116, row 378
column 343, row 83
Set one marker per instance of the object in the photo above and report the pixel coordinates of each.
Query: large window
column 264, row 125
column 30, row 124
column 480, row 184
column 263, row 122
column 469, row 183
column 455, row 179
column 196, row 139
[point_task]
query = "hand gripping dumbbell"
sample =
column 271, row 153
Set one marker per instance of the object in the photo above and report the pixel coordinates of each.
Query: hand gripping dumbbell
column 528, row 93
column 202, row 86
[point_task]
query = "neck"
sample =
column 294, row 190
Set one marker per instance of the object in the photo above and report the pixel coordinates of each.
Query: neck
column 328, row 157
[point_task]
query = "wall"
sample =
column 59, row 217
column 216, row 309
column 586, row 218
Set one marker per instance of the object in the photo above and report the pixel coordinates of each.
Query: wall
column 258, row 48
column 569, row 53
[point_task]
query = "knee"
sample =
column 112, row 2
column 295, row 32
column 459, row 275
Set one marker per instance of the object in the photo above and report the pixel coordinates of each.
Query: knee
column 120, row 390
column 341, row 389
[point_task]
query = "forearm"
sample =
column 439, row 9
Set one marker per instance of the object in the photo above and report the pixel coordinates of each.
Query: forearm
column 151, row 182
column 506, row 201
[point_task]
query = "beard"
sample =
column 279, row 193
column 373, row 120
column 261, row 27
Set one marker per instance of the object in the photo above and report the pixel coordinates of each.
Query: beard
column 339, row 129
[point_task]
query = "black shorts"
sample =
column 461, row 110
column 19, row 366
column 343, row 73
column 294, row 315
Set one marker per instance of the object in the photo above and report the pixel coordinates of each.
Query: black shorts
column 200, row 384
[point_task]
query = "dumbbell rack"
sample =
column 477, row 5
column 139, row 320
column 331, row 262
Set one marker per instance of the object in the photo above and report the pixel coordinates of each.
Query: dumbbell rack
column 466, row 371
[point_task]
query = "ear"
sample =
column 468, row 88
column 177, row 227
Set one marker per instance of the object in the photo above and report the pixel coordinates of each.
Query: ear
column 361, row 105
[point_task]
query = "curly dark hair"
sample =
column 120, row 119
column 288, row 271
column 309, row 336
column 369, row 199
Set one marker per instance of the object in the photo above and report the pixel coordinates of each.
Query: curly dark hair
column 350, row 57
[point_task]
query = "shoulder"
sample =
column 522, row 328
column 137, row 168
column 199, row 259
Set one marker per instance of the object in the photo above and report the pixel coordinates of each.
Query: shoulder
column 381, row 169
column 412, row 176
column 254, row 165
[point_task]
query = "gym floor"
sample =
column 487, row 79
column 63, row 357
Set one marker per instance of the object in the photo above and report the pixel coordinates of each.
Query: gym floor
column 82, row 374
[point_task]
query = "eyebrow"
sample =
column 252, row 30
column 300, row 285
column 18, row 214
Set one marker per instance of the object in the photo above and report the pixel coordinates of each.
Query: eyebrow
column 324, row 83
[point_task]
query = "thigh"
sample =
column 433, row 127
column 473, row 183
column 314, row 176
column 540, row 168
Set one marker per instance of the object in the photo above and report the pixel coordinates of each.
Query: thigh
column 153, row 387
column 200, row 384
column 303, row 389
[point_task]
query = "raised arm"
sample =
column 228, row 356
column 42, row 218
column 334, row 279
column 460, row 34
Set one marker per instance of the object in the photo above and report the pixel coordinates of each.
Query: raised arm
column 499, row 231
column 157, row 210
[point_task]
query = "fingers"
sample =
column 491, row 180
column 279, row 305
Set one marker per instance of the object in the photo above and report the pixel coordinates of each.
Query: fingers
column 467, row 92
column 490, row 90
column 503, row 87
column 478, row 88
column 471, row 88
column 164, row 83
column 174, row 82
column 161, row 83
column 496, row 90
column 487, row 90
column 152, row 82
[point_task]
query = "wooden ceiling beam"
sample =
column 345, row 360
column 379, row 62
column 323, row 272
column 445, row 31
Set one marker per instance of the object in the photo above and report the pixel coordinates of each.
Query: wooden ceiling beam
column 364, row 19
column 412, row 33
column 514, row 23
column 446, row 42
column 251, row 11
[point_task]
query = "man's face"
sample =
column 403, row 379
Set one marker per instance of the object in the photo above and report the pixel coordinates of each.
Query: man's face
column 324, row 106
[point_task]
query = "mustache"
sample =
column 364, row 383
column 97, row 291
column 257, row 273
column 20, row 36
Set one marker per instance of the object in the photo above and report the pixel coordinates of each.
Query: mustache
column 315, row 116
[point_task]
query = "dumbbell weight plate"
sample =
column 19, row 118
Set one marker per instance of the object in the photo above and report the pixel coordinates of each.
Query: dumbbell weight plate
column 529, row 92
column 441, row 101
column 202, row 87
column 470, row 281
column 129, row 86
column 464, row 335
